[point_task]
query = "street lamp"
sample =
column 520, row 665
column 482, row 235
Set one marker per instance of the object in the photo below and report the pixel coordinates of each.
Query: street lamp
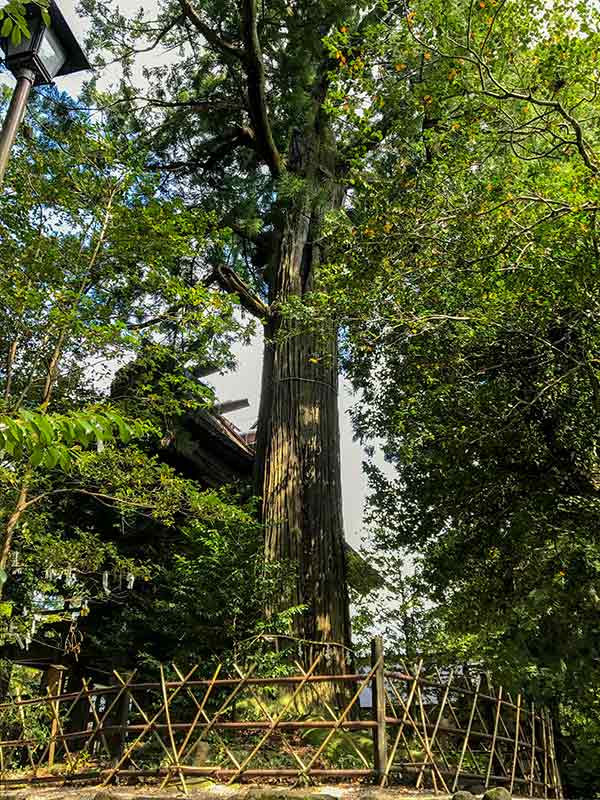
column 50, row 51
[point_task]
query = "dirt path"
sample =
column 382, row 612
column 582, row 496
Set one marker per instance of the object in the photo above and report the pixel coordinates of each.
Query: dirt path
column 220, row 792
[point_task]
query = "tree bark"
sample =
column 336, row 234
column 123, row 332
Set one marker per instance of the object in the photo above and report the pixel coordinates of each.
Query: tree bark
column 298, row 439
column 13, row 521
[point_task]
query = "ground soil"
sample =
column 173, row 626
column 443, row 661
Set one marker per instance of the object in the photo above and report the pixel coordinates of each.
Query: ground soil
column 213, row 791
column 219, row 792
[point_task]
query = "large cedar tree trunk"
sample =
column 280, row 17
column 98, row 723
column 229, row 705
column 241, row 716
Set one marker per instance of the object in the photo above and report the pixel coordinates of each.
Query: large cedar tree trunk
column 298, row 443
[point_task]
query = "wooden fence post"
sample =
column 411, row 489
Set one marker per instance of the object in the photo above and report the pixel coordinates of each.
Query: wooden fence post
column 558, row 791
column 124, row 708
column 516, row 748
column 532, row 742
column 466, row 741
column 545, row 740
column 494, row 736
column 53, row 679
column 378, row 700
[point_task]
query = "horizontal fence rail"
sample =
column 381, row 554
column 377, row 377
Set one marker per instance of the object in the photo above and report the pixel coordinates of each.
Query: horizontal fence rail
column 414, row 726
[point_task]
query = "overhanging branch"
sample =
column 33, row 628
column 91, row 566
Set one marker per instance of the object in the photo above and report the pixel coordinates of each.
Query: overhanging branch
column 231, row 283
column 161, row 35
column 212, row 152
column 237, row 136
column 211, row 36
column 255, row 72
column 202, row 106
column 240, row 231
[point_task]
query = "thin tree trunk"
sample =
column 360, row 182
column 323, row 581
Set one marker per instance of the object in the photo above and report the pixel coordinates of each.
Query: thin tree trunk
column 6, row 668
column 12, row 523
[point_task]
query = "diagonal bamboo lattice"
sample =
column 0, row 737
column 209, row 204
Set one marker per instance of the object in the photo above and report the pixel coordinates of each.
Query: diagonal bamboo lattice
column 456, row 732
column 422, row 727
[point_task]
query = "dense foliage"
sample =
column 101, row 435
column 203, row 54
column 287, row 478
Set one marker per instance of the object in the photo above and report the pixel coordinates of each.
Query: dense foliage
column 466, row 282
column 98, row 271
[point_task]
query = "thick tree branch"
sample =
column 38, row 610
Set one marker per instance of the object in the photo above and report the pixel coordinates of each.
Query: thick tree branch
column 255, row 71
column 202, row 106
column 213, row 151
column 239, row 230
column 231, row 283
column 239, row 137
column 209, row 34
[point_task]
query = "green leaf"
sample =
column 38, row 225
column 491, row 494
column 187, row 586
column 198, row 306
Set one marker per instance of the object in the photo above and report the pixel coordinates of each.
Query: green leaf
column 37, row 456
column 51, row 457
column 124, row 430
column 44, row 429
column 6, row 609
column 15, row 432
column 64, row 458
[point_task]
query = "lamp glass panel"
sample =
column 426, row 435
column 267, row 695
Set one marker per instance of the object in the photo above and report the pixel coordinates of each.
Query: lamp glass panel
column 51, row 53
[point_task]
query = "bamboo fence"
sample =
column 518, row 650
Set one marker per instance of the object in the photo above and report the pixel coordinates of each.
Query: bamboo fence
column 421, row 728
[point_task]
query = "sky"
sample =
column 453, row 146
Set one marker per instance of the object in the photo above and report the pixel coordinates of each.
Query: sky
column 245, row 381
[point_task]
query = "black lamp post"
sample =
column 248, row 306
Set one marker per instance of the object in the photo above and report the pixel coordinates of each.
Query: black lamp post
column 49, row 52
